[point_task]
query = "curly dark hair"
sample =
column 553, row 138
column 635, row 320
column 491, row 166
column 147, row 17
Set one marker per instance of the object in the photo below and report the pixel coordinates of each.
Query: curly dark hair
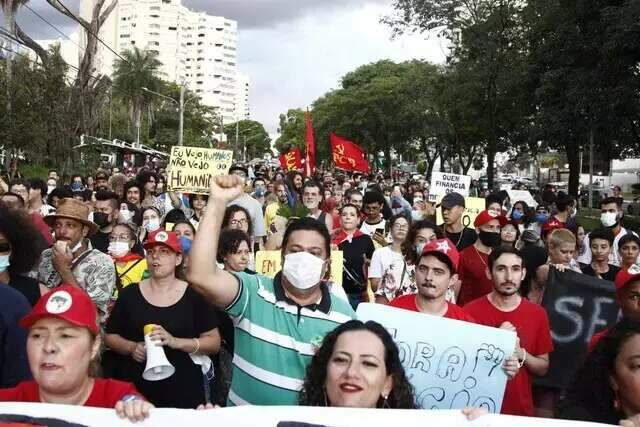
column 26, row 241
column 408, row 249
column 590, row 396
column 133, row 184
column 229, row 242
column 313, row 389
column 228, row 213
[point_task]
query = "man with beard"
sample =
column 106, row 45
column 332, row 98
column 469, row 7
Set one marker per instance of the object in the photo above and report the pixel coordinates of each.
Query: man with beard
column 71, row 260
column 435, row 273
column 473, row 259
column 504, row 308
column 611, row 218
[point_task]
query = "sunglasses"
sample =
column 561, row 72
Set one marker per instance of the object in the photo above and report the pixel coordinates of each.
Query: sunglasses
column 5, row 247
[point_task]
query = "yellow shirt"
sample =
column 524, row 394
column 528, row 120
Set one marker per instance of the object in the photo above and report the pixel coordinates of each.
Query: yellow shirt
column 135, row 273
column 270, row 214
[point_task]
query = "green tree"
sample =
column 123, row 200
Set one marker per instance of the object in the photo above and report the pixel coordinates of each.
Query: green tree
column 253, row 140
column 137, row 70
column 292, row 130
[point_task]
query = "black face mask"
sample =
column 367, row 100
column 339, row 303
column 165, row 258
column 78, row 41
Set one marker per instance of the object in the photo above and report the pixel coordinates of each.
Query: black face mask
column 489, row 239
column 101, row 219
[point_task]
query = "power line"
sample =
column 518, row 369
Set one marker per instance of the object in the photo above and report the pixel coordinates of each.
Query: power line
column 75, row 18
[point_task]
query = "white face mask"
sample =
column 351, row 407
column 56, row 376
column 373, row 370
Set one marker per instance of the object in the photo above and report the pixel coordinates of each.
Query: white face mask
column 4, row 263
column 118, row 249
column 152, row 225
column 126, row 215
column 303, row 270
column 76, row 247
column 609, row 219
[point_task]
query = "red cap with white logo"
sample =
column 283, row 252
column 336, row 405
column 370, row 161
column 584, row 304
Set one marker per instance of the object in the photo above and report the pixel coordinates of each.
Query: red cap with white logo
column 489, row 215
column 66, row 302
column 446, row 248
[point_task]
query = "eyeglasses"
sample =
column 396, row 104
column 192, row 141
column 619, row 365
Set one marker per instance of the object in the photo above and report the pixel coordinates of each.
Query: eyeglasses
column 400, row 227
column 5, row 247
column 116, row 238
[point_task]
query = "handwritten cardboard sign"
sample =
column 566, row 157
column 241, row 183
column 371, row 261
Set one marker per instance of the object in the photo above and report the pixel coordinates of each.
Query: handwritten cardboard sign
column 268, row 263
column 473, row 207
column 190, row 169
column 443, row 183
column 451, row 364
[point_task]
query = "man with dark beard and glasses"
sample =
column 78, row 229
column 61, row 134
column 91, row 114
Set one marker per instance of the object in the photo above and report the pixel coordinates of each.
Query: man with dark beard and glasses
column 504, row 308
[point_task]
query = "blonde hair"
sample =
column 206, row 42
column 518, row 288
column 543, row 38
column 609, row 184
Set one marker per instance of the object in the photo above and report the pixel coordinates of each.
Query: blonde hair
column 560, row 237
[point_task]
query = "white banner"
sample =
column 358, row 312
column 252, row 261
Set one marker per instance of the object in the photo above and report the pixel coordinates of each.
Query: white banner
column 443, row 183
column 454, row 364
column 264, row 416
column 522, row 195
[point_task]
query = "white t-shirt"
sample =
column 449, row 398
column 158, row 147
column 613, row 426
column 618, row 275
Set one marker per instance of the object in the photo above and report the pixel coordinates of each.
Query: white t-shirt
column 370, row 229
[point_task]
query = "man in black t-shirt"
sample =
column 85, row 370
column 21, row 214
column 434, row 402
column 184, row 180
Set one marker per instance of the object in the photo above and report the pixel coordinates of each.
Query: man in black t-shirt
column 452, row 209
column 105, row 215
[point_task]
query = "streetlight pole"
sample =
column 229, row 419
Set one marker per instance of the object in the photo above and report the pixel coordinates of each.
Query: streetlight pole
column 181, row 106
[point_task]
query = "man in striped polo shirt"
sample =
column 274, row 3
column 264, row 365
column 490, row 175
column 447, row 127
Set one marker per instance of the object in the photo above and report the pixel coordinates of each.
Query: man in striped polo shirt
column 279, row 323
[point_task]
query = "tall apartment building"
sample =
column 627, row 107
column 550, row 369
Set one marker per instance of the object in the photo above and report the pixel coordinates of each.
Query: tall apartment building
column 193, row 47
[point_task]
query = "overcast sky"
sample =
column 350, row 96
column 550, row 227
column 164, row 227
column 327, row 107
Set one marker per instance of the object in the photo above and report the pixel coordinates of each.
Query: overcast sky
column 293, row 50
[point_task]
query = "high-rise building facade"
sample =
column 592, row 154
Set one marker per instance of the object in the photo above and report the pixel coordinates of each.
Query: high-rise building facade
column 194, row 48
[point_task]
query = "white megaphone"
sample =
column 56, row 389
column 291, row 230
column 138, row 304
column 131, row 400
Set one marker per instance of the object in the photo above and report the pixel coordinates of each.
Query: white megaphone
column 158, row 367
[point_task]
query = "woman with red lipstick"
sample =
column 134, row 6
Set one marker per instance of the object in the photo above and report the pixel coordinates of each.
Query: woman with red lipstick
column 357, row 366
column 62, row 347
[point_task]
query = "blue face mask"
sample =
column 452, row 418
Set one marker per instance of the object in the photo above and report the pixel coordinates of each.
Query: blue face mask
column 76, row 186
column 517, row 215
column 4, row 263
column 542, row 218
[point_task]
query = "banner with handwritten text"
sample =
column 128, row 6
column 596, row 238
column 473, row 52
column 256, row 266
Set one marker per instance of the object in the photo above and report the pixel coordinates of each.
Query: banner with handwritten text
column 190, row 169
column 450, row 363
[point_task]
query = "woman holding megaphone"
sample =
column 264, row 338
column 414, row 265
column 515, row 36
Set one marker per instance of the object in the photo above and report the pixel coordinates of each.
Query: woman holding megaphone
column 163, row 331
column 62, row 347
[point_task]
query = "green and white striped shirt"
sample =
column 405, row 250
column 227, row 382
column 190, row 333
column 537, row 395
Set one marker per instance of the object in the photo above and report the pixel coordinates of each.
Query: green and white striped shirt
column 275, row 339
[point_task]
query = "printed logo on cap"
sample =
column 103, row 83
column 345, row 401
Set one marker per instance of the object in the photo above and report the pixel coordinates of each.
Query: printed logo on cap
column 443, row 247
column 492, row 213
column 162, row 237
column 634, row 269
column 59, row 302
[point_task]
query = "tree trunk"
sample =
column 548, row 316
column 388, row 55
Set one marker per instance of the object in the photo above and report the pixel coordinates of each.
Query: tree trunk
column 572, row 149
column 387, row 156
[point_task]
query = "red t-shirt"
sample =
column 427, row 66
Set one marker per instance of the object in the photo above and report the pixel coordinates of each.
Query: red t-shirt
column 408, row 302
column 532, row 325
column 105, row 393
column 595, row 339
column 42, row 227
column 472, row 273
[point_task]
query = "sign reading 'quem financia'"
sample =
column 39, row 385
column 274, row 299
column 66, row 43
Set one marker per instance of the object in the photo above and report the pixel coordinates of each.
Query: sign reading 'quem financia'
column 443, row 183
column 191, row 168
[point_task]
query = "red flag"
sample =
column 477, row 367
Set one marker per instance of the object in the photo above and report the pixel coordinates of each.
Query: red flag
column 310, row 159
column 291, row 160
column 347, row 155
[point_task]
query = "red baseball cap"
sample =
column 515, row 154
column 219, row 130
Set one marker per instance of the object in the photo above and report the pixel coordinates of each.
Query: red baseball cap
column 446, row 248
column 486, row 216
column 624, row 277
column 164, row 238
column 66, row 302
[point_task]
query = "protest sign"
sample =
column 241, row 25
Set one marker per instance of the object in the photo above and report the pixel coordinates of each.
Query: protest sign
column 262, row 416
column 268, row 263
column 473, row 207
column 522, row 195
column 190, row 169
column 578, row 306
column 443, row 183
column 450, row 363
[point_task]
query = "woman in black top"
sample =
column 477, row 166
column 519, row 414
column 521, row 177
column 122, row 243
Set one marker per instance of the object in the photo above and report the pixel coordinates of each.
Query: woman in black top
column 185, row 325
column 20, row 247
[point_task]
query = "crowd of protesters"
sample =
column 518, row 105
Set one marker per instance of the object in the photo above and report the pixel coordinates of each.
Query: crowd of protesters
column 96, row 268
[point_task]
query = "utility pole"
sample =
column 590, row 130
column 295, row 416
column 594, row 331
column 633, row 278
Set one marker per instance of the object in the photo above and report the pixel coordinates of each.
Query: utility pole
column 591, row 167
column 235, row 148
column 181, row 106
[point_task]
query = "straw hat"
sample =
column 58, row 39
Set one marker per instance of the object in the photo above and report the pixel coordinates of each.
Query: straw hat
column 72, row 209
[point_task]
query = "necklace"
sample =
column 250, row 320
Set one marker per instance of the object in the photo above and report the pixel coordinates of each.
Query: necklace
column 480, row 256
column 459, row 238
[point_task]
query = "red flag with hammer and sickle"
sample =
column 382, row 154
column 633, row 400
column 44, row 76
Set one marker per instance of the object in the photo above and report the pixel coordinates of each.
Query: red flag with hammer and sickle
column 291, row 160
column 347, row 155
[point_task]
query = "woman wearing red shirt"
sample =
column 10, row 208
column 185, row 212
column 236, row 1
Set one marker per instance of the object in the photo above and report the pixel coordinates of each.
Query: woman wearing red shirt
column 62, row 347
